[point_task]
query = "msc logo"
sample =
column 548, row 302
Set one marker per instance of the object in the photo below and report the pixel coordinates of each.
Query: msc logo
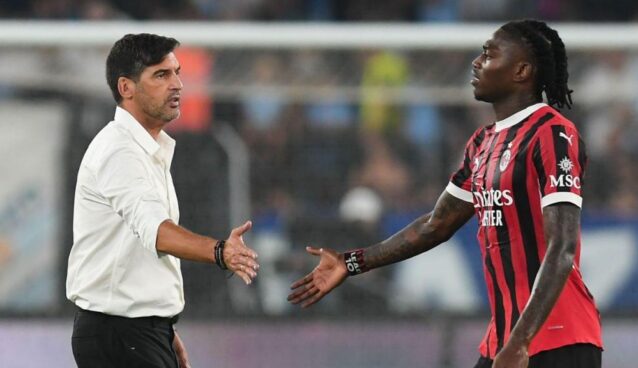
column 566, row 165
column 565, row 181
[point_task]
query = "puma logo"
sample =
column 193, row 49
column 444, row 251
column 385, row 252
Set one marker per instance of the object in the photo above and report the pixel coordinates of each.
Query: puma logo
column 569, row 139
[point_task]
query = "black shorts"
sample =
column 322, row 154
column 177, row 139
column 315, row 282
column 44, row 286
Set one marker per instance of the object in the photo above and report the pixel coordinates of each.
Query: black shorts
column 570, row 356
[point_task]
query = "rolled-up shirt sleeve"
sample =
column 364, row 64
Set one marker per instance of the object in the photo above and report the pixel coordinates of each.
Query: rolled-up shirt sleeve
column 127, row 185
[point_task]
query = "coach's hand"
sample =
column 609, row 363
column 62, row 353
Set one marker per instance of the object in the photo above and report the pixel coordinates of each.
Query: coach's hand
column 329, row 274
column 512, row 356
column 238, row 257
column 180, row 351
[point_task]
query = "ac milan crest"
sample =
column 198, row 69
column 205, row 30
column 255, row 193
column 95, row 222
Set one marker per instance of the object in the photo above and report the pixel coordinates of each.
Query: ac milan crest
column 505, row 160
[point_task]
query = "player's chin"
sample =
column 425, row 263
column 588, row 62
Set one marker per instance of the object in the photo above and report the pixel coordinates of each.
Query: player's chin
column 479, row 96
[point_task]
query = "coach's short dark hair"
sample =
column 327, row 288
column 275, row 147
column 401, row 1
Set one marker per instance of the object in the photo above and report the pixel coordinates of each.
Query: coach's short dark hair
column 131, row 54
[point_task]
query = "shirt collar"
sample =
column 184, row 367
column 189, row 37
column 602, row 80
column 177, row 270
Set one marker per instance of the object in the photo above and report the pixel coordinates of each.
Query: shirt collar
column 164, row 147
column 516, row 118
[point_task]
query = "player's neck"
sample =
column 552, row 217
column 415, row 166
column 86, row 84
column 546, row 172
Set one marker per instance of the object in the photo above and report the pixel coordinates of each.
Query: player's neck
column 513, row 104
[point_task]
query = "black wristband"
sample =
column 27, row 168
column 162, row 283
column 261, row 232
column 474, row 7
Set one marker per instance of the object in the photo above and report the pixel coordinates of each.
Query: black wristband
column 354, row 262
column 219, row 254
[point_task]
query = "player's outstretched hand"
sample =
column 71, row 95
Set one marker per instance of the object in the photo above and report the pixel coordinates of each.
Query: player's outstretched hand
column 238, row 257
column 329, row 274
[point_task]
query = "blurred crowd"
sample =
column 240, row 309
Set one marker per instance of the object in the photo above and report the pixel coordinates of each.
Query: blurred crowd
column 323, row 10
column 345, row 146
column 322, row 124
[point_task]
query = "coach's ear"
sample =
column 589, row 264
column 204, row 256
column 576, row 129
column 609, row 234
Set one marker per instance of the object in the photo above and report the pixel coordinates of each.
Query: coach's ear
column 126, row 87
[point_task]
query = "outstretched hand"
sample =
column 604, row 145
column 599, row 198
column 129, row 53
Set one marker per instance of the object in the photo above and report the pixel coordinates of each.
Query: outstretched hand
column 329, row 274
column 238, row 257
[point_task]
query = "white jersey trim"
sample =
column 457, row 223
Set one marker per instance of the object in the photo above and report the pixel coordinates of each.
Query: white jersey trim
column 518, row 117
column 459, row 193
column 562, row 197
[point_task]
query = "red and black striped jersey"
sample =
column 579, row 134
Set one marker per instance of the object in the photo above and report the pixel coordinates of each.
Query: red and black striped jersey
column 512, row 169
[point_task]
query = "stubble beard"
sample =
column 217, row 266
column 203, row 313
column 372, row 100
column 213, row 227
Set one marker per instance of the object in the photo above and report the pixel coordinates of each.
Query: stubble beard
column 160, row 112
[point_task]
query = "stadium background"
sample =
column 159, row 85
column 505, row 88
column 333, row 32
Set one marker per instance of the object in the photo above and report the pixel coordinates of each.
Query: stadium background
column 332, row 142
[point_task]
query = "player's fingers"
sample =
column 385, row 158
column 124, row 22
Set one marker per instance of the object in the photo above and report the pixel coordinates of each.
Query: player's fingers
column 306, row 279
column 297, row 292
column 308, row 293
column 294, row 298
column 302, row 295
column 313, row 299
column 314, row 251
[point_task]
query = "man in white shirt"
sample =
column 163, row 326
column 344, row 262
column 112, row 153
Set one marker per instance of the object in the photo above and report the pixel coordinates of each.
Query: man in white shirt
column 124, row 268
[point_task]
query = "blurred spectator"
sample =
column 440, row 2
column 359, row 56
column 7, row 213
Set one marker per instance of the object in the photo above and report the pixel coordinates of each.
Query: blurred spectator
column 438, row 10
column 5, row 251
column 280, row 10
column 54, row 9
column 226, row 9
column 610, row 78
column 365, row 10
column 480, row 10
column 606, row 129
column 325, row 10
column 423, row 127
column 99, row 10
column 383, row 75
column 554, row 10
column 330, row 110
column 383, row 171
column 306, row 67
column 196, row 102
column 608, row 11
column 263, row 102
column 624, row 201
column 361, row 205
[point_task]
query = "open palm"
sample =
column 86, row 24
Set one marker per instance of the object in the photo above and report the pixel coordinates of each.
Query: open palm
column 329, row 274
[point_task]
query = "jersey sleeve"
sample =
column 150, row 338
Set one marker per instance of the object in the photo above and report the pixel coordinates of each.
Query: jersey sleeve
column 559, row 159
column 460, row 185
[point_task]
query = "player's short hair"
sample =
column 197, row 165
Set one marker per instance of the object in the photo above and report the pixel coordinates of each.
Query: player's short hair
column 133, row 53
column 550, row 59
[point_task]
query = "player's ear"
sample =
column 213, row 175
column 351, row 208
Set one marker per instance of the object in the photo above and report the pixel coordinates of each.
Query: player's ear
column 126, row 87
column 523, row 71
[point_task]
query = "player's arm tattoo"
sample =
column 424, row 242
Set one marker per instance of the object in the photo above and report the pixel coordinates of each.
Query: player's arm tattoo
column 561, row 223
column 425, row 233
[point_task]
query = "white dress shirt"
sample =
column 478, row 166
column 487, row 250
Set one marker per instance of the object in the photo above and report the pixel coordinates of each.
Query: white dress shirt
column 124, row 192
